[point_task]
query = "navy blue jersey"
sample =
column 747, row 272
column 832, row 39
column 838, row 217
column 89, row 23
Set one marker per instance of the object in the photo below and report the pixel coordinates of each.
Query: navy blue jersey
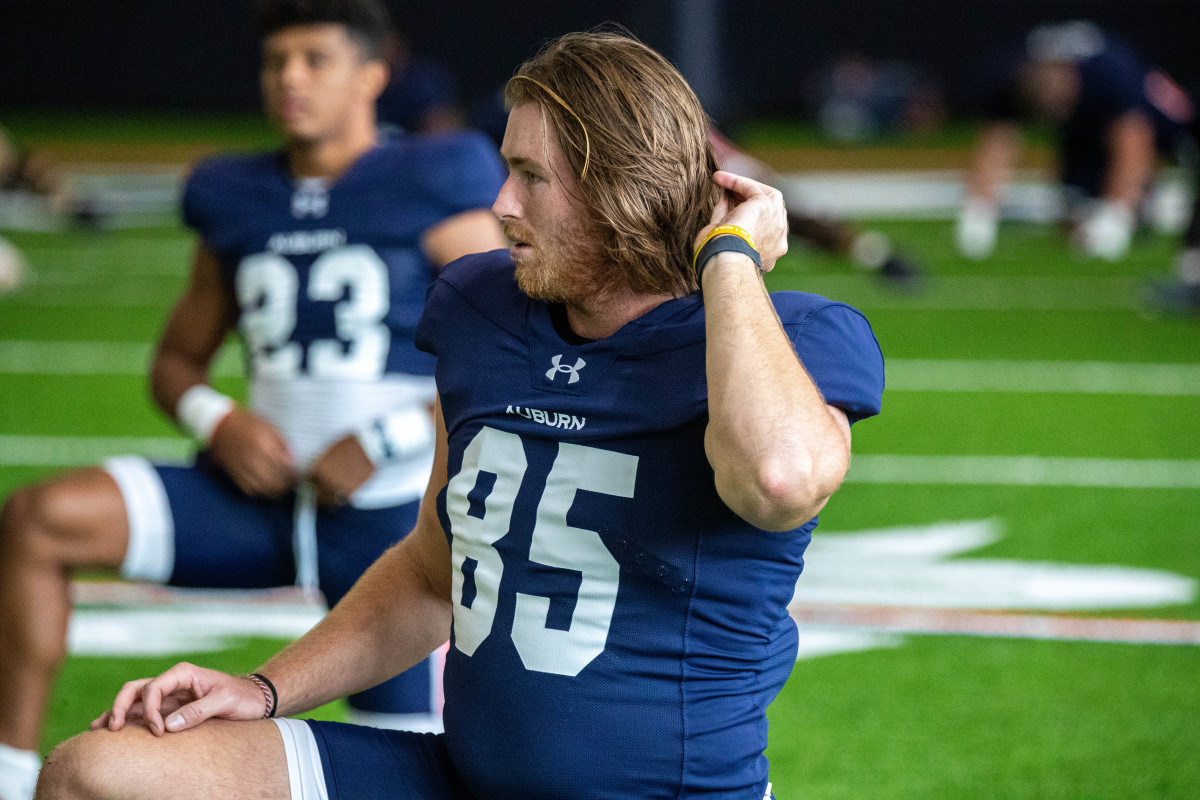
column 618, row 631
column 330, row 278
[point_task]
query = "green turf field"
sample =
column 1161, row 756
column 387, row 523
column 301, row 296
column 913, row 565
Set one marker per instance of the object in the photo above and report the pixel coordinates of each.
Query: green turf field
column 1081, row 418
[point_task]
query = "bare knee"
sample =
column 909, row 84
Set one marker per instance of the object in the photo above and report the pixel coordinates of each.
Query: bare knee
column 71, row 522
column 18, row 521
column 27, row 524
column 86, row 767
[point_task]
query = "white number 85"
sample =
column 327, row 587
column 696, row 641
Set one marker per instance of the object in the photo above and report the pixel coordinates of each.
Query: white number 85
column 555, row 544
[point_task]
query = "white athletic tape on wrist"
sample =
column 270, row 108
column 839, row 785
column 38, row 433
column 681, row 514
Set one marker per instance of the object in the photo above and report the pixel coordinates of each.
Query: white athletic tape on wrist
column 396, row 436
column 201, row 409
column 1107, row 231
column 977, row 226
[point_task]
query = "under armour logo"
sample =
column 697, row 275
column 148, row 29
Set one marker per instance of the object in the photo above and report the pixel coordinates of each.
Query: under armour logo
column 558, row 367
column 311, row 199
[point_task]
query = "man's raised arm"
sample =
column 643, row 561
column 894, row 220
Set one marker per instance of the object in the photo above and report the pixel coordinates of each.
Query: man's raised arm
column 778, row 451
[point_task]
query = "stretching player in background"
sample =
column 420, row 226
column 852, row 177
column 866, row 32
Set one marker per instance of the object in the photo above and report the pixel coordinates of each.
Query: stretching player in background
column 1114, row 116
column 867, row 249
column 627, row 476
column 320, row 255
column 35, row 173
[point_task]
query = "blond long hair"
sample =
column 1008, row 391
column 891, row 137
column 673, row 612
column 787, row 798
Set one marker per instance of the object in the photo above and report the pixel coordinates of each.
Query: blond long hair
column 636, row 138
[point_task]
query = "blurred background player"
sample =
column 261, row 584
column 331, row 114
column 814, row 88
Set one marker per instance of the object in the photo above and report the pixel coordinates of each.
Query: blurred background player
column 856, row 98
column 34, row 173
column 1113, row 115
column 869, row 250
column 320, row 255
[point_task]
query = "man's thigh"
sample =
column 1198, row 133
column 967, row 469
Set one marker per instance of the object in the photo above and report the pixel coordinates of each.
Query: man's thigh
column 224, row 538
column 359, row 763
column 216, row 759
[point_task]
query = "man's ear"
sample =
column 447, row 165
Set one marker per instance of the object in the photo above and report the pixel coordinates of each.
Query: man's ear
column 373, row 77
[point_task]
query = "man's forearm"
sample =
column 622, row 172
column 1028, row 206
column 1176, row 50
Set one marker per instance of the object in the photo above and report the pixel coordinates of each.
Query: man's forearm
column 992, row 161
column 1131, row 159
column 392, row 619
column 170, row 376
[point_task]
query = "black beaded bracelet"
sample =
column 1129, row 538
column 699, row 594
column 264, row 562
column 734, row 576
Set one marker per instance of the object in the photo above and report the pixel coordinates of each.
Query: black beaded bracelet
column 725, row 243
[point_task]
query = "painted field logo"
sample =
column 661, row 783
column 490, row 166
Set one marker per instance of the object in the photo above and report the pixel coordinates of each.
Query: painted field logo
column 868, row 589
column 551, row 418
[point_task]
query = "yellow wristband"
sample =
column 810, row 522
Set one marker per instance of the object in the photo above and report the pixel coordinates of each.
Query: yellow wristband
column 723, row 230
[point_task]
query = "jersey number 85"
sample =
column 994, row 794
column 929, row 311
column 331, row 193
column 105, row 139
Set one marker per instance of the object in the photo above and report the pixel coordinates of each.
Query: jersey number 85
column 554, row 544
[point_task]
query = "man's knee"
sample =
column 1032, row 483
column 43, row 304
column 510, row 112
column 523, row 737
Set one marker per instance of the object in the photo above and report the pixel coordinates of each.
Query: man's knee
column 27, row 523
column 216, row 759
column 18, row 520
column 48, row 523
column 90, row 765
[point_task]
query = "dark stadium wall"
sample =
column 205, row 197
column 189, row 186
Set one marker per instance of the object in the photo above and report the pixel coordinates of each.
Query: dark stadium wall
column 149, row 54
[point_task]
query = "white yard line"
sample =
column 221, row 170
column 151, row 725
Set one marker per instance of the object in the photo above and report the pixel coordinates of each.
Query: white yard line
column 133, row 189
column 132, row 619
column 1106, row 473
column 984, row 293
column 903, row 374
column 893, row 619
column 93, row 358
column 884, row 469
column 69, row 451
column 1033, row 195
column 1061, row 377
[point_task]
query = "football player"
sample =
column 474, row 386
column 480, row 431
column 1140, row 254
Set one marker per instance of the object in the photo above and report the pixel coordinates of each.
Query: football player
column 319, row 255
column 631, row 454
column 1114, row 115
column 36, row 173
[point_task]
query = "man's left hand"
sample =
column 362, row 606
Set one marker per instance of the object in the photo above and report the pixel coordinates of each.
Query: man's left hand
column 340, row 471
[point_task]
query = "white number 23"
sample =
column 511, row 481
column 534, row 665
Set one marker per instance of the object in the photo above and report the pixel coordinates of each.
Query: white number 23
column 267, row 287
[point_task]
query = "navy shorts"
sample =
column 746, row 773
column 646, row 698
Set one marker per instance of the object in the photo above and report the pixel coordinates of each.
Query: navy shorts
column 368, row 763
column 360, row 763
